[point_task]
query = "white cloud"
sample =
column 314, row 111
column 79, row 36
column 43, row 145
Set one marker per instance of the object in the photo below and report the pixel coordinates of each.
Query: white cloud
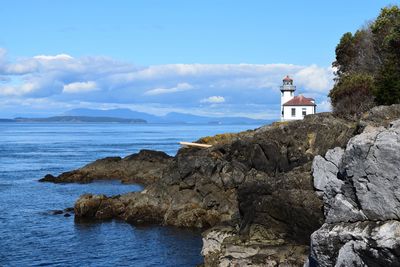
column 64, row 78
column 56, row 57
column 180, row 87
column 22, row 89
column 80, row 87
column 211, row 70
column 315, row 78
column 21, row 68
column 213, row 100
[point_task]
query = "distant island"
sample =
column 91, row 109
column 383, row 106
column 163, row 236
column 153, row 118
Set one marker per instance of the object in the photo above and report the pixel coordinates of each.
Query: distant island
column 76, row 119
column 83, row 115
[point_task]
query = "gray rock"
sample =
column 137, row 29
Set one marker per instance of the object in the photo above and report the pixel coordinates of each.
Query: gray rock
column 222, row 246
column 357, row 244
column 364, row 181
column 360, row 189
column 372, row 163
column 348, row 254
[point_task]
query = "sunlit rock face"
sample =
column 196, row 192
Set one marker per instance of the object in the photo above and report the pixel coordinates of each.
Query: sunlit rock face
column 360, row 188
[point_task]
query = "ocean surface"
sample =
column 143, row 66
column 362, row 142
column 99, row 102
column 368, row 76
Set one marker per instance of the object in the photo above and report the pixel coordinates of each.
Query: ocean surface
column 30, row 235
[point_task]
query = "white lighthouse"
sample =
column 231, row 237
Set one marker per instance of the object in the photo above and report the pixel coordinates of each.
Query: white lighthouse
column 294, row 107
column 287, row 90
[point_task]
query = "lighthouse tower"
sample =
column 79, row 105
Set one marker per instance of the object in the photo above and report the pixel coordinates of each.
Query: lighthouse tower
column 287, row 90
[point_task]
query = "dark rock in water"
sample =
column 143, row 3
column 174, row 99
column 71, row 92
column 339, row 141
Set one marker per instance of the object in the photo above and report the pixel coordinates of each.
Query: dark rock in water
column 144, row 168
column 57, row 212
column 67, row 215
column 48, row 178
column 360, row 186
column 70, row 209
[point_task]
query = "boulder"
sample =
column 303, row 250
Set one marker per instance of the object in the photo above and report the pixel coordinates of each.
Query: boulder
column 360, row 189
column 364, row 243
column 362, row 182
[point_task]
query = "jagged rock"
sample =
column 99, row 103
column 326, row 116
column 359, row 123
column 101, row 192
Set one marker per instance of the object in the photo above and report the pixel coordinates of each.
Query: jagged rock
column 363, row 181
column 360, row 188
column 286, row 203
column 144, row 167
column 223, row 246
column 380, row 116
column 365, row 243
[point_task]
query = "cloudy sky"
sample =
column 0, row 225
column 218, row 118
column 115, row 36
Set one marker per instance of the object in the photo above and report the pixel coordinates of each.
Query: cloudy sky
column 201, row 57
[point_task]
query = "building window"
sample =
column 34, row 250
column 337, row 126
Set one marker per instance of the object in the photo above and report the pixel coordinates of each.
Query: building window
column 293, row 112
column 304, row 111
column 283, row 112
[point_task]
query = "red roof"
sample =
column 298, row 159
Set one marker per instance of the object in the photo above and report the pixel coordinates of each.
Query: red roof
column 287, row 78
column 300, row 101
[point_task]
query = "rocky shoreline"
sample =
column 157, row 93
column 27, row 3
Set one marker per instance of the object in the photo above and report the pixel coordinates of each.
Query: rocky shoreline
column 143, row 168
column 254, row 192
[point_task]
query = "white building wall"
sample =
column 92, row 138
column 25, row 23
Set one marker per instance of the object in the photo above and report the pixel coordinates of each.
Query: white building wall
column 286, row 96
column 287, row 112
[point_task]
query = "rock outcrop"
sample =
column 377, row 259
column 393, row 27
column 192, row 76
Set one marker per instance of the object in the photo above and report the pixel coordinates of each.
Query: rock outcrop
column 224, row 246
column 144, row 167
column 254, row 191
column 259, row 183
column 360, row 187
column 363, row 243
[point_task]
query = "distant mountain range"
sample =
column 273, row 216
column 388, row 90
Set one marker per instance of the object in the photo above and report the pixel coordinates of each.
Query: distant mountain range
column 80, row 119
column 83, row 115
column 173, row 117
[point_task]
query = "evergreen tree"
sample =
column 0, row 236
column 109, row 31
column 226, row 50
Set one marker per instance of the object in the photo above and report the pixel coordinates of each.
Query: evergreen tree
column 368, row 65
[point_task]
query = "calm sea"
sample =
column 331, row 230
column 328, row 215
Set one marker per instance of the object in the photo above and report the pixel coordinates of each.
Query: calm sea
column 31, row 236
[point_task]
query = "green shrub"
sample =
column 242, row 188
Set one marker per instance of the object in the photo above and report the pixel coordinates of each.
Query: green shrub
column 352, row 95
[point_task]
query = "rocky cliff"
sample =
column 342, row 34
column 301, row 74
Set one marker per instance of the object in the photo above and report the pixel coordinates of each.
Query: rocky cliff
column 252, row 192
column 225, row 183
column 360, row 189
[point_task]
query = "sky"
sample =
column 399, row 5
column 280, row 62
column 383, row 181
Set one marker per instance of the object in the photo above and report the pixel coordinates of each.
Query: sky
column 209, row 57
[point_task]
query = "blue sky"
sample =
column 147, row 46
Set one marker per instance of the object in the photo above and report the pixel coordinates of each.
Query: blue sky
column 201, row 57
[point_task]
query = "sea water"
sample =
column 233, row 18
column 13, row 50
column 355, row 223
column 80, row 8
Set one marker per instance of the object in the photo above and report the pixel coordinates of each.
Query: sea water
column 30, row 235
